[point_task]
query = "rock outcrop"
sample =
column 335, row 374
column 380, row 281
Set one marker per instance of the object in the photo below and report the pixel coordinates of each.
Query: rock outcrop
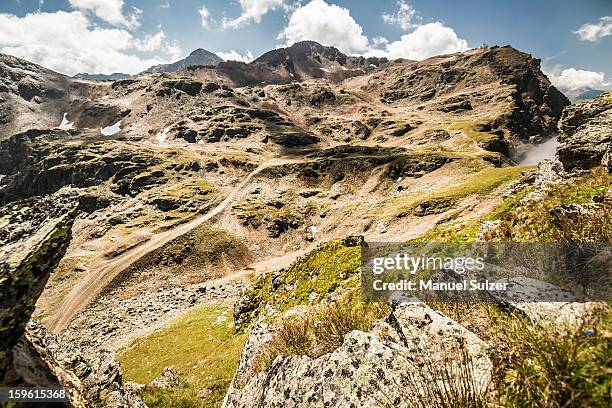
column 91, row 381
column 33, row 239
column 413, row 348
column 586, row 134
column 34, row 236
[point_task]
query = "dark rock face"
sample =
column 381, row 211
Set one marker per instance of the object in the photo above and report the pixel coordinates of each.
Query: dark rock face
column 34, row 238
column 294, row 138
column 41, row 162
column 28, row 80
column 586, row 134
column 189, row 86
column 435, row 206
column 322, row 96
column 416, row 166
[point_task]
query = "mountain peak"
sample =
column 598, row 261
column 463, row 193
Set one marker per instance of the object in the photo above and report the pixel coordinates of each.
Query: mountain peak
column 198, row 56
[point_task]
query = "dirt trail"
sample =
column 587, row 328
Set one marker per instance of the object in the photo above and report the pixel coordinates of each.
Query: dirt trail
column 102, row 275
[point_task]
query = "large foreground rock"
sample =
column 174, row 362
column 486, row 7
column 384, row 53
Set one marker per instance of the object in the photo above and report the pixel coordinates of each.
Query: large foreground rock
column 586, row 134
column 392, row 364
column 33, row 239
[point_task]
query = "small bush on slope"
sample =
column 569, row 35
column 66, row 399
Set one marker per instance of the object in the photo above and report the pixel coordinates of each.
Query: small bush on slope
column 322, row 330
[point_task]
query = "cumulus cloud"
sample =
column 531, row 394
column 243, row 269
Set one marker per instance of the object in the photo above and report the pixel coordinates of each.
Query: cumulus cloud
column 165, row 4
column 234, row 55
column 593, row 32
column 326, row 24
column 333, row 25
column 205, row 15
column 425, row 41
column 110, row 11
column 252, row 11
column 572, row 81
column 405, row 16
column 69, row 43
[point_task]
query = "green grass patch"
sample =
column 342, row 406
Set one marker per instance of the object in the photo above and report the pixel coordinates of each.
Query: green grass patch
column 478, row 131
column 203, row 346
column 552, row 365
column 467, row 231
column 308, row 280
column 481, row 183
column 534, row 222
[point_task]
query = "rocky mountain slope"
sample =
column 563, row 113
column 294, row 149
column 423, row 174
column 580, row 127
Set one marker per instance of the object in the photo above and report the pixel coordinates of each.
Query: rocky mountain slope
column 197, row 57
column 238, row 183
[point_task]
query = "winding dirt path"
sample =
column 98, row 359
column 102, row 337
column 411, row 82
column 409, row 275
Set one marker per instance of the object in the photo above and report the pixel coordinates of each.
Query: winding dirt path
column 102, row 275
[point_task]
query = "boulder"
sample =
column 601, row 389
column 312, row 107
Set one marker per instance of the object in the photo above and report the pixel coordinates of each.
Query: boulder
column 586, row 134
column 415, row 347
column 168, row 379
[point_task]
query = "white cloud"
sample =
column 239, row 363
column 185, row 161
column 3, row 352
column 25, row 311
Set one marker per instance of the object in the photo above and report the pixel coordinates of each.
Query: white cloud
column 205, row 15
column 572, row 81
column 405, row 17
column 327, row 24
column 252, row 11
column 234, row 55
column 378, row 41
column 425, row 41
column 165, row 4
column 70, row 43
column 150, row 42
column 593, row 32
column 110, row 11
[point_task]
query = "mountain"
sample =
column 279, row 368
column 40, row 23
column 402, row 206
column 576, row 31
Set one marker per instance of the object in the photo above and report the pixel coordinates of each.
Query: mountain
column 234, row 203
column 197, row 57
column 587, row 94
column 301, row 61
column 101, row 77
column 32, row 96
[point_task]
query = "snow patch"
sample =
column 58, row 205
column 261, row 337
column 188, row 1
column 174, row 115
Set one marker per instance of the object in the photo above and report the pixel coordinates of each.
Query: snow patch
column 65, row 125
column 313, row 231
column 162, row 136
column 111, row 130
column 373, row 66
column 343, row 68
column 201, row 141
column 2, row 176
column 324, row 70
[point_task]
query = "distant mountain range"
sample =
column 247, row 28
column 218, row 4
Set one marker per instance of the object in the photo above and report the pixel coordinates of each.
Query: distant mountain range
column 197, row 57
column 302, row 60
column 586, row 94
column 101, row 77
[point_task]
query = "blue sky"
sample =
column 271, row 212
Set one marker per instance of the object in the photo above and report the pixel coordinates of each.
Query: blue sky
column 573, row 38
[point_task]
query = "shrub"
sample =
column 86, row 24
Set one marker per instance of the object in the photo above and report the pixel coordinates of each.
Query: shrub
column 321, row 331
column 548, row 365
